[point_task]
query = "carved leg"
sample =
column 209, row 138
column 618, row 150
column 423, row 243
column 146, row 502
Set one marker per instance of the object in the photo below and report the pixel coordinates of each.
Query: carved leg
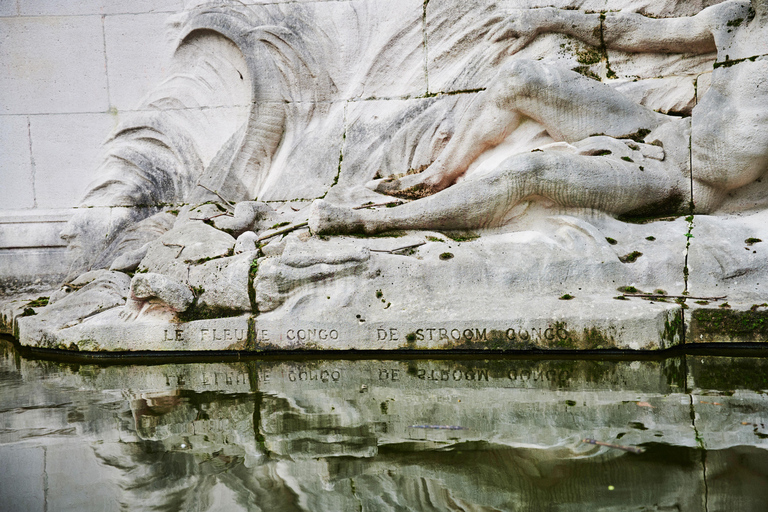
column 570, row 106
column 607, row 184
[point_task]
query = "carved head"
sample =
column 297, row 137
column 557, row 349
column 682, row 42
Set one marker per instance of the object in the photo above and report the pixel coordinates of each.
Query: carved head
column 91, row 235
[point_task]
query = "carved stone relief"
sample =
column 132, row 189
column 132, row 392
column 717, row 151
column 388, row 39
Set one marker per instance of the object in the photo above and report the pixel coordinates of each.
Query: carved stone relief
column 332, row 167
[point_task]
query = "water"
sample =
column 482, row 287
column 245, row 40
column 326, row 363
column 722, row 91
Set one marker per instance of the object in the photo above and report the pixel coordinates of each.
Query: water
column 335, row 435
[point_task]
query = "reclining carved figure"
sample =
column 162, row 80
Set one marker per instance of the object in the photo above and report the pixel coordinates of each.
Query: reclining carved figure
column 721, row 147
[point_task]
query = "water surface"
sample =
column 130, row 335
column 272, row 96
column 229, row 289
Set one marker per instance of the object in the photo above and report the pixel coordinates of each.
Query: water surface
column 335, row 435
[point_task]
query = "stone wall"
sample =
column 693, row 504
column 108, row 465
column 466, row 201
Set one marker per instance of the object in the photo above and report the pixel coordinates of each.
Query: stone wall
column 69, row 71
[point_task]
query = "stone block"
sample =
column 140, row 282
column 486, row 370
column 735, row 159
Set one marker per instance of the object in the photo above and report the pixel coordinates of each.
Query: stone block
column 66, row 150
column 33, row 228
column 85, row 7
column 9, row 8
column 138, row 51
column 16, row 172
column 314, row 153
column 106, row 332
column 39, row 74
column 32, row 269
column 524, row 323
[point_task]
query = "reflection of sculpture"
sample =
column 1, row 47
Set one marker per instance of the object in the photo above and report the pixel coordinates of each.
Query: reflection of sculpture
column 728, row 130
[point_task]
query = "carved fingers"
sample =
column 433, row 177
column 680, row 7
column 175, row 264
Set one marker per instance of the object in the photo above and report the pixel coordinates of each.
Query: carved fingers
column 517, row 30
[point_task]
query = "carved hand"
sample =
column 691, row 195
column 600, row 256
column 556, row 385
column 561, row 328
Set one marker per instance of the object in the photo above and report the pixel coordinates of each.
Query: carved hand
column 520, row 26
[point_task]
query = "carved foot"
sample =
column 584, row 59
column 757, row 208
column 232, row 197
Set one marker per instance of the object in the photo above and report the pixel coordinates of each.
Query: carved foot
column 325, row 218
column 412, row 186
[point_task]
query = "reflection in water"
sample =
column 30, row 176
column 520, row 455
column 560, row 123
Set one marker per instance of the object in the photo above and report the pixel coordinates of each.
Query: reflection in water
column 469, row 435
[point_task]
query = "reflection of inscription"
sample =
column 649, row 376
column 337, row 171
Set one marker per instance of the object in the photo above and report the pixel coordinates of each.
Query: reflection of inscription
column 540, row 375
column 549, row 333
column 215, row 378
column 311, row 334
column 393, row 375
column 228, row 378
column 316, row 375
column 453, row 375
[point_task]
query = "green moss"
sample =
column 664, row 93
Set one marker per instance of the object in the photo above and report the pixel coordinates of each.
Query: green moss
column 435, row 239
column 379, row 294
column 660, row 210
column 724, row 305
column 595, row 339
column 461, row 236
column 621, row 297
column 279, row 225
column 627, row 159
column 631, row 257
column 28, row 312
column 674, row 327
column 735, row 23
column 651, row 238
column 604, row 152
column 196, row 312
column 638, row 136
column 446, row 256
column 628, row 289
column 611, row 240
column 719, row 323
column 384, row 407
column 385, row 234
column 589, row 56
column 751, row 241
column 587, row 72
column 567, row 297
column 38, row 302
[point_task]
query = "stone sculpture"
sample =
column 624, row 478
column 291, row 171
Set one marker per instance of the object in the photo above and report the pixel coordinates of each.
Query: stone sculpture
column 538, row 132
column 728, row 129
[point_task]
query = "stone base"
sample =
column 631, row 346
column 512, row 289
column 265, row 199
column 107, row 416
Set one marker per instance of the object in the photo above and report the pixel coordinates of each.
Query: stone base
column 523, row 324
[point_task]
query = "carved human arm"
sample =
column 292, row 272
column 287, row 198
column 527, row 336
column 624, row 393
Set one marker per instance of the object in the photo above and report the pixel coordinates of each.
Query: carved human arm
column 629, row 32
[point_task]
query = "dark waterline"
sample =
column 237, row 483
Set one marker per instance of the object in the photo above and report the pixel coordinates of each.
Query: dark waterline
column 465, row 432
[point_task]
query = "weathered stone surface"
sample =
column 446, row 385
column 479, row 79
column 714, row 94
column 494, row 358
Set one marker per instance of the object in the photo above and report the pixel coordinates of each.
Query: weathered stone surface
column 110, row 332
column 86, row 297
column 223, row 284
column 471, row 158
column 191, row 243
column 246, row 242
column 150, row 286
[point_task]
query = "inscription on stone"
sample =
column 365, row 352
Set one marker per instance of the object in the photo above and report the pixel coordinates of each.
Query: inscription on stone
column 207, row 335
column 311, row 334
column 551, row 332
column 452, row 375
